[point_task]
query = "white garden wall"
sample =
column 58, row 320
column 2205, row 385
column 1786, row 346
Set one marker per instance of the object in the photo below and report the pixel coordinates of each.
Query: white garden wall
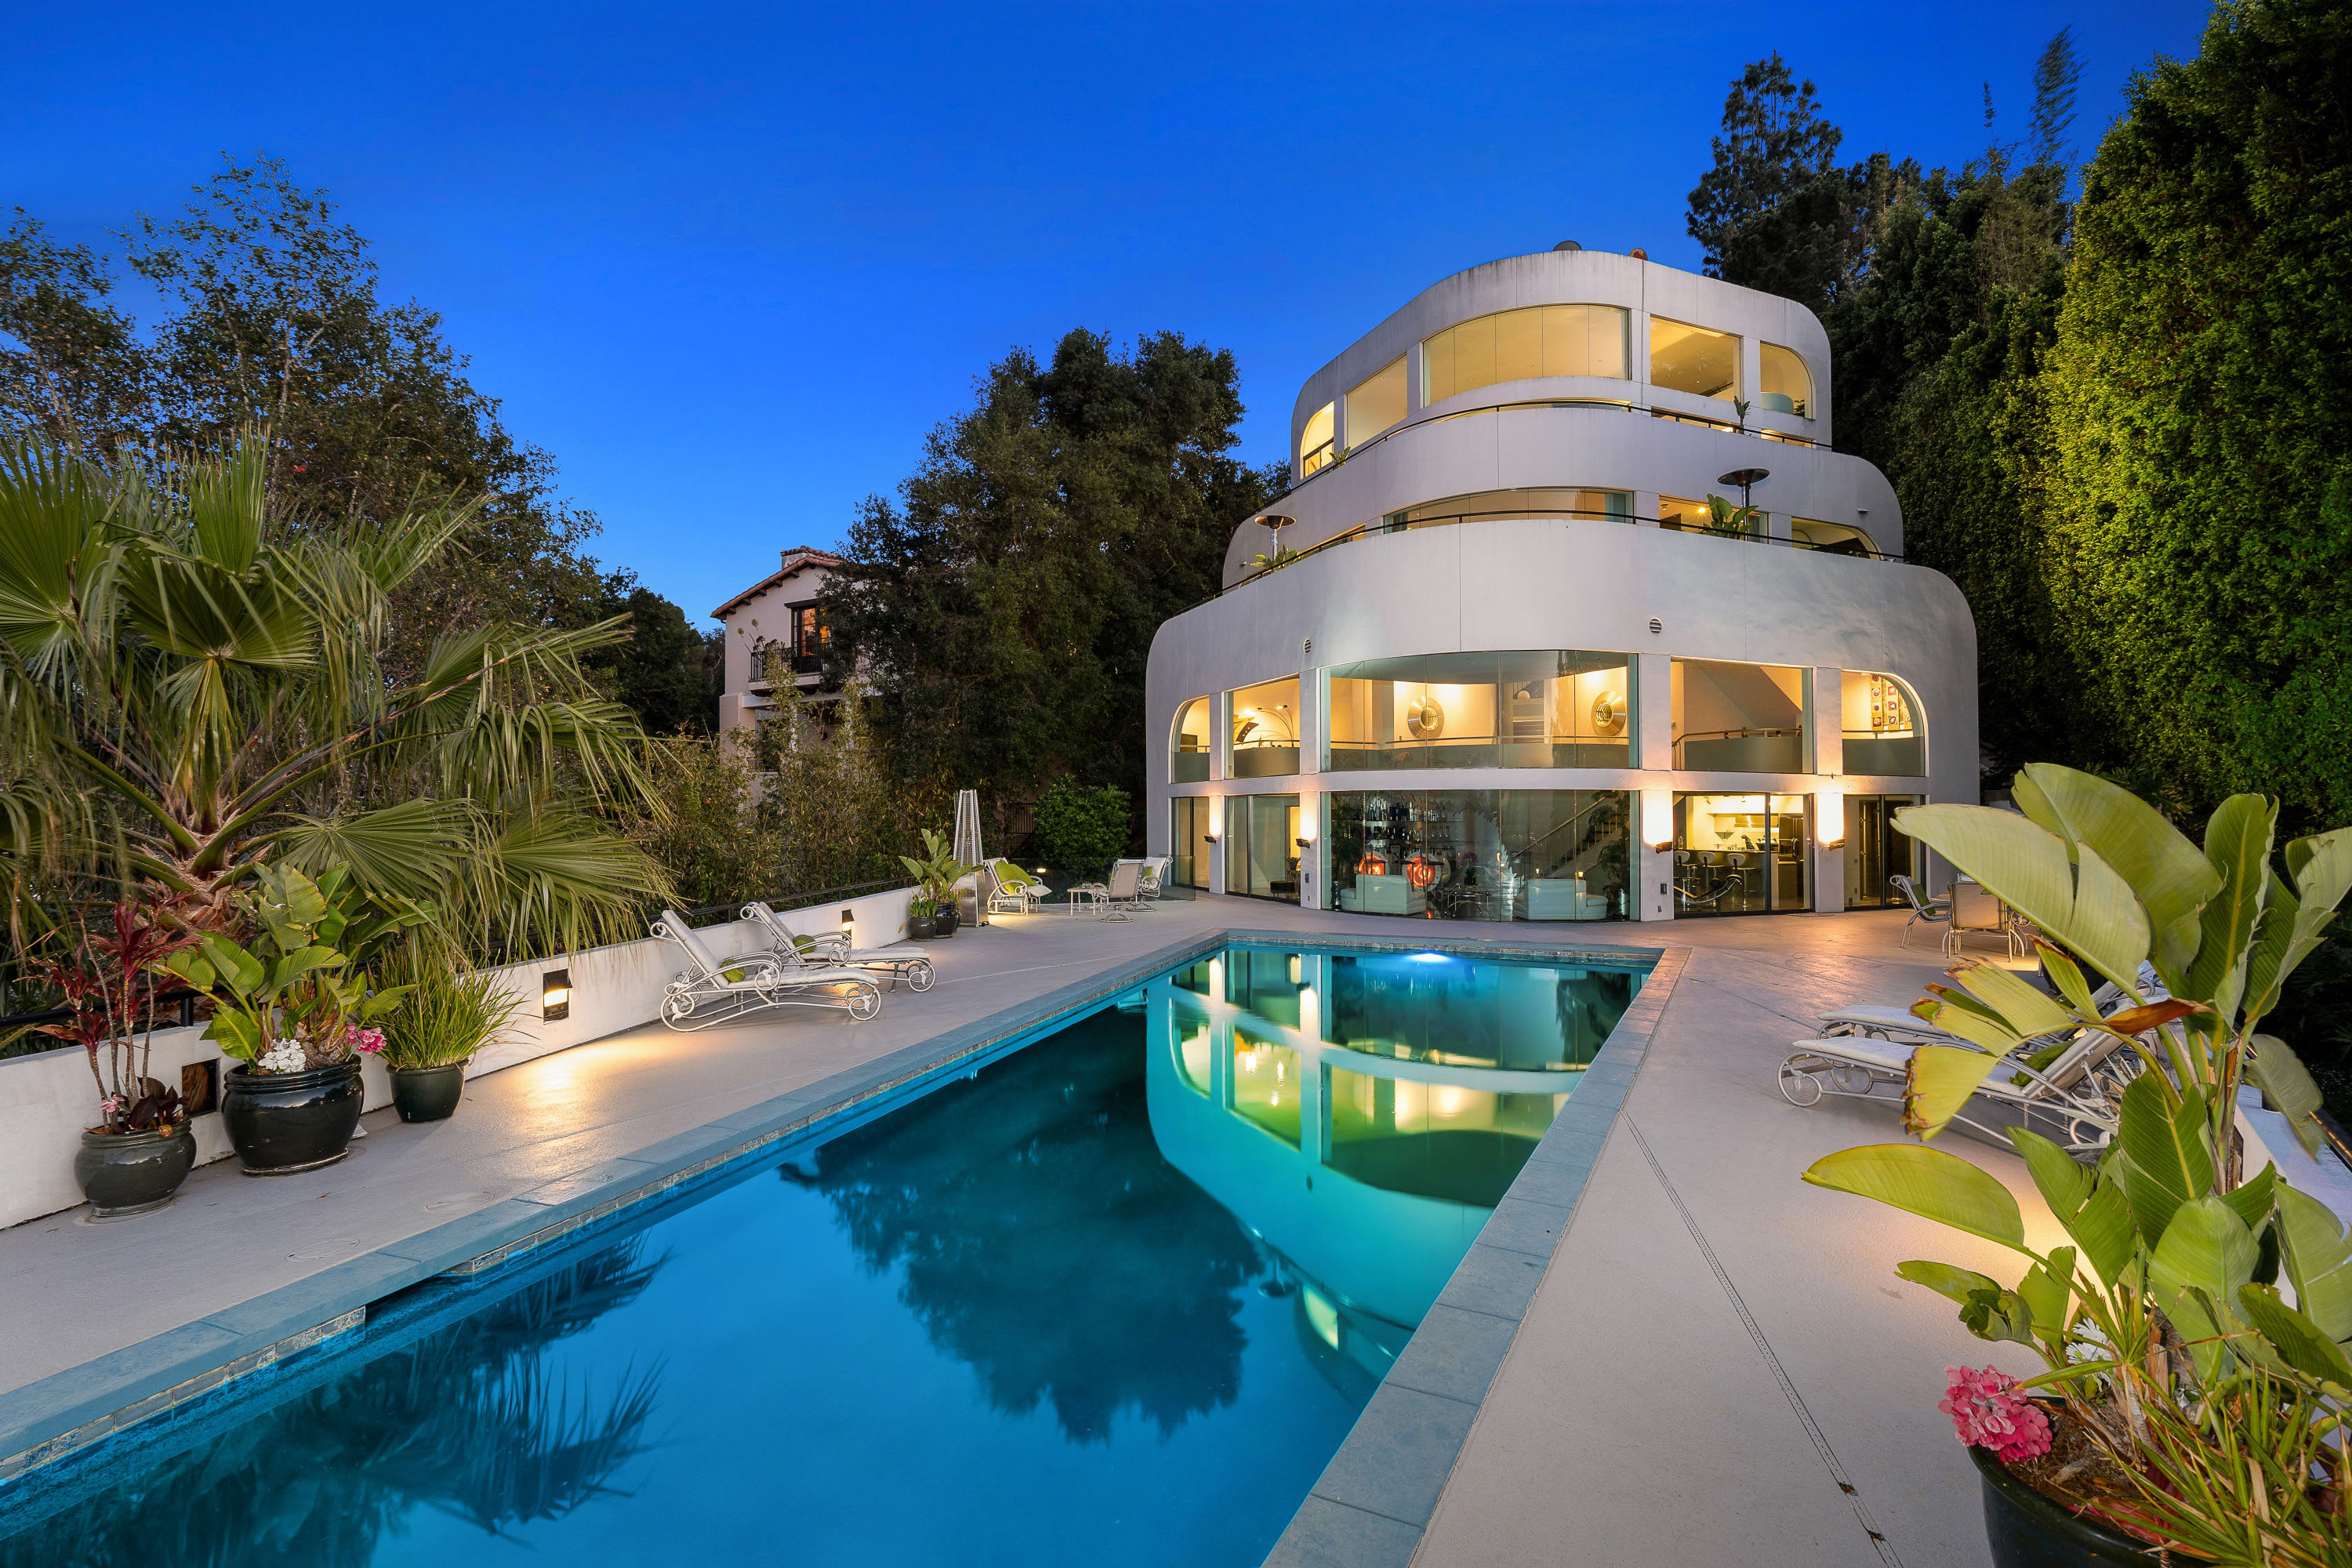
column 45, row 1101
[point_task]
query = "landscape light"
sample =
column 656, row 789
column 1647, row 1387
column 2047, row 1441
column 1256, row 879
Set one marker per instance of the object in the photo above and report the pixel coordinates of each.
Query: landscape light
column 555, row 996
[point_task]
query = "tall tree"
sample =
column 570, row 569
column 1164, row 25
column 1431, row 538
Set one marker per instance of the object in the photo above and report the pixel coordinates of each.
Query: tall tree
column 274, row 315
column 2201, row 389
column 1004, row 606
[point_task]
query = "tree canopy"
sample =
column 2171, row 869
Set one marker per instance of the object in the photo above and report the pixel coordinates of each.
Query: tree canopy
column 1004, row 604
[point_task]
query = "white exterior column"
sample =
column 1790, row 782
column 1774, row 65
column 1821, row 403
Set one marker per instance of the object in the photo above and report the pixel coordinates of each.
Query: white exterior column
column 1314, row 857
column 1220, row 735
column 1654, row 690
column 1826, row 721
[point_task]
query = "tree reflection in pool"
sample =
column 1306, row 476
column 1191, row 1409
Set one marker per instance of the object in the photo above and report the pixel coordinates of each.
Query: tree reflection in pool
column 1115, row 1297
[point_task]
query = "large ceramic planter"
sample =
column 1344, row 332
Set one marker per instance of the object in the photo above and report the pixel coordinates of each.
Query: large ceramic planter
column 2026, row 1530
column 281, row 1122
column 124, row 1173
column 943, row 924
column 919, row 928
column 427, row 1094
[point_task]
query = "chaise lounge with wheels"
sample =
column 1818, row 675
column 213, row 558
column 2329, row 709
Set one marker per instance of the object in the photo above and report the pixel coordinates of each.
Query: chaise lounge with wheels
column 823, row 950
column 710, row 990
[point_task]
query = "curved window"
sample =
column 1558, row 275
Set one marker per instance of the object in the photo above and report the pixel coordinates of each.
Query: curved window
column 1788, row 385
column 1188, row 749
column 1697, row 360
column 1266, row 730
column 1739, row 718
column 1521, row 345
column 1551, row 709
column 1483, row 855
column 1376, row 405
column 1831, row 538
column 1883, row 731
column 1315, row 443
column 1487, row 505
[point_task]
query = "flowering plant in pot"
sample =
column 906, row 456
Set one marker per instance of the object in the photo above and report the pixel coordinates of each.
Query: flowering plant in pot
column 2188, row 1406
column 294, row 1007
column 448, row 1011
column 140, row 1150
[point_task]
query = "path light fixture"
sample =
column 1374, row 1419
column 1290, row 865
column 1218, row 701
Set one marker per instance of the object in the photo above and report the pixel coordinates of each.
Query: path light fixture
column 555, row 996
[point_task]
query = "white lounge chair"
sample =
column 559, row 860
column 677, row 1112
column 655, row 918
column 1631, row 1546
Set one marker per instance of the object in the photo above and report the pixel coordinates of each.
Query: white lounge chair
column 1881, row 1022
column 1119, row 898
column 831, row 949
column 2070, row 1098
column 1015, row 891
column 711, row 990
column 1155, row 875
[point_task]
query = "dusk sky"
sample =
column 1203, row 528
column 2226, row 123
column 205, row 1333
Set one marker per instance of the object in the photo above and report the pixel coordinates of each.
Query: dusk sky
column 729, row 265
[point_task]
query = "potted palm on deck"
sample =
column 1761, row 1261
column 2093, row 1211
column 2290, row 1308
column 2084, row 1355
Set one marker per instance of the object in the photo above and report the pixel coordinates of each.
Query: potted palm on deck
column 2190, row 1410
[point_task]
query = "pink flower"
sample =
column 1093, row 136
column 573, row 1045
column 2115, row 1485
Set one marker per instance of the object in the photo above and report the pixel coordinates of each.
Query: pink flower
column 1985, row 1411
column 368, row 1040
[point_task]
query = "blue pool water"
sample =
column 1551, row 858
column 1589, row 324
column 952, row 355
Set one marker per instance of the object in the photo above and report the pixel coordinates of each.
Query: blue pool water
column 1114, row 1298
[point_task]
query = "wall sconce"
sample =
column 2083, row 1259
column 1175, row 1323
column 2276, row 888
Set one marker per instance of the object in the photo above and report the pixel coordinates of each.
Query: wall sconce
column 555, row 996
column 1216, row 817
column 1658, row 818
column 1829, row 818
column 849, row 925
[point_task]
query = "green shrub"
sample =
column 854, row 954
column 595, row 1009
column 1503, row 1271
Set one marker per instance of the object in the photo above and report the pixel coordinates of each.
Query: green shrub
column 449, row 1013
column 1081, row 831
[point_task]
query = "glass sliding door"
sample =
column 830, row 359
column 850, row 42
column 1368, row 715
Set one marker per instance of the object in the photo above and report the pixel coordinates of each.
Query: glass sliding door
column 1189, row 841
column 1262, row 845
column 1483, row 854
column 1742, row 855
column 1875, row 852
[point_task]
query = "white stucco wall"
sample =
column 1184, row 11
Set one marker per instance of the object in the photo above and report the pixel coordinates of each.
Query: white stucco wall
column 46, row 1101
column 1528, row 584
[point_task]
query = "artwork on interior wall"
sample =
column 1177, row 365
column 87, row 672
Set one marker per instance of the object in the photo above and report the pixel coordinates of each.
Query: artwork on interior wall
column 1425, row 718
column 1609, row 713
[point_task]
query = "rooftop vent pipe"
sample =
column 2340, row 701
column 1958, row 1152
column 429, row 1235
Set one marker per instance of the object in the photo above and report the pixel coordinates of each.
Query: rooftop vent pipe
column 1568, row 244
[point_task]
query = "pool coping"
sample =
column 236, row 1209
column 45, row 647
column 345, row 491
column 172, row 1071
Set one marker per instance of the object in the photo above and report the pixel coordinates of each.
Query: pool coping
column 1374, row 1499
column 67, row 1410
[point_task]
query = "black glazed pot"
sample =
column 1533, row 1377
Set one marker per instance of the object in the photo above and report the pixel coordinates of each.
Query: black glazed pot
column 2026, row 1530
column 943, row 924
column 124, row 1173
column 427, row 1094
column 919, row 928
column 281, row 1122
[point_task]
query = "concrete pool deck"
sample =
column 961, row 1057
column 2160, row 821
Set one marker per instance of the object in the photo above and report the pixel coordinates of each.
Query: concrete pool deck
column 1714, row 1355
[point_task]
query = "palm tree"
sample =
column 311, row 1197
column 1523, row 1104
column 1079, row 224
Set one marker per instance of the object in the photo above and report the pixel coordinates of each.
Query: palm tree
column 189, row 687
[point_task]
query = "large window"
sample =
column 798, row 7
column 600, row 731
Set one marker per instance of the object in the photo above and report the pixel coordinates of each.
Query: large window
column 1881, row 722
column 1376, row 404
column 1486, row 506
column 1262, row 845
column 1188, row 746
column 1266, row 730
column 1315, row 442
column 1549, row 709
column 1696, row 359
column 1189, row 842
column 1741, row 855
column 1875, row 852
column 1265, row 1085
column 1682, row 515
column 1739, row 718
column 1521, row 345
column 1435, row 1140
column 1483, row 854
column 1830, row 538
column 1788, row 385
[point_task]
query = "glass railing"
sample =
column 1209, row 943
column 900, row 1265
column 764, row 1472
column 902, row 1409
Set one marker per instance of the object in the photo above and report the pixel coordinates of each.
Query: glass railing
column 1188, row 766
column 1742, row 752
column 1478, row 751
column 1265, row 759
column 1873, row 752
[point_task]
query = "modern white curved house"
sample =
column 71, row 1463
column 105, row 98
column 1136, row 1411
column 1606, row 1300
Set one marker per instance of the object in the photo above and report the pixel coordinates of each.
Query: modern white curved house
column 1513, row 673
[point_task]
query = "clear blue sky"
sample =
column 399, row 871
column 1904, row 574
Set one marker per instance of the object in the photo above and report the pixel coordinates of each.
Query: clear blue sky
column 729, row 264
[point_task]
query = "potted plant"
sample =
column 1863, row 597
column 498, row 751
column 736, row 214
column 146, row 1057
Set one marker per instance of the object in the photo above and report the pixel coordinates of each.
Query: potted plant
column 2188, row 1409
column 921, row 916
column 936, row 872
column 295, row 1009
column 448, row 1010
column 134, row 1160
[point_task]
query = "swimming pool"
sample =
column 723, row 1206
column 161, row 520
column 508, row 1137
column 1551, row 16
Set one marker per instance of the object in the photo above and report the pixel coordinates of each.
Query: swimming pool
column 1116, row 1296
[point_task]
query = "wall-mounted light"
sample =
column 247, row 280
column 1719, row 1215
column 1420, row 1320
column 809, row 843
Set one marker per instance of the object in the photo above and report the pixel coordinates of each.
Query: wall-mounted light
column 849, row 925
column 1658, row 818
column 1829, row 818
column 555, row 995
column 1216, row 817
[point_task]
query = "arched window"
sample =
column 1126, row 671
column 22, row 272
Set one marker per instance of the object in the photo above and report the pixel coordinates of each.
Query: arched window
column 1884, row 731
column 1788, row 384
column 1187, row 748
column 1315, row 442
column 1522, row 346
